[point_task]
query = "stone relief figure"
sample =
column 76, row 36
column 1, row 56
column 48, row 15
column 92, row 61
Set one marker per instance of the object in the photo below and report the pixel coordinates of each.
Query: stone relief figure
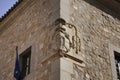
column 68, row 35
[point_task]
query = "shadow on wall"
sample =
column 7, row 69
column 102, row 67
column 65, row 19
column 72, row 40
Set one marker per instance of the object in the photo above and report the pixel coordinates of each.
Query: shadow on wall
column 111, row 7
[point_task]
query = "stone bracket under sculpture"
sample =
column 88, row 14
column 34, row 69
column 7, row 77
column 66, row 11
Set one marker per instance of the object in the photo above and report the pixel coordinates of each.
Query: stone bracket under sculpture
column 70, row 43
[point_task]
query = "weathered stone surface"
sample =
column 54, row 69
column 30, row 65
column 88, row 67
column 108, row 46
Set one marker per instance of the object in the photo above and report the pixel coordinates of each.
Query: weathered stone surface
column 69, row 38
column 32, row 23
column 99, row 29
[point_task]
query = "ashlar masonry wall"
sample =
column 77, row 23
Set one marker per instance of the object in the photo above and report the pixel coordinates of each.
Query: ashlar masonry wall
column 97, row 30
column 69, row 38
column 31, row 23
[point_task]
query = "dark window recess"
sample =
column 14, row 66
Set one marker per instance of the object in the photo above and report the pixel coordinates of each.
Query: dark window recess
column 25, row 59
column 117, row 63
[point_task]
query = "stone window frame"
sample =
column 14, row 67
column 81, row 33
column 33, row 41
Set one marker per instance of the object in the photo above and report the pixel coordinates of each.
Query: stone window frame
column 113, row 48
column 27, row 52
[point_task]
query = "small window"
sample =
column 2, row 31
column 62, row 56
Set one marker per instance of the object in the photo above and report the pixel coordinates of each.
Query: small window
column 117, row 63
column 25, row 59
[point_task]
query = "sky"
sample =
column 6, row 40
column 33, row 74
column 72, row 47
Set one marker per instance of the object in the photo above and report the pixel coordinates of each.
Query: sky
column 5, row 5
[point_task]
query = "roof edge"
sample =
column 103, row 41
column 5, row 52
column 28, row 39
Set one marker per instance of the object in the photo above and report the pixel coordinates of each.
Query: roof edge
column 10, row 10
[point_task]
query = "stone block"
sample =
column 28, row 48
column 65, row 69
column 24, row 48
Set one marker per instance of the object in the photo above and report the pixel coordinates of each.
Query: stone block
column 66, row 65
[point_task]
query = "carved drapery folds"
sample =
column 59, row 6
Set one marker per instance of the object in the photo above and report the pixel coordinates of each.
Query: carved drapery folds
column 69, row 36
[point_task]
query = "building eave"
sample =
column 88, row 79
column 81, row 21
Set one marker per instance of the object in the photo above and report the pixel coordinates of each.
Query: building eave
column 10, row 10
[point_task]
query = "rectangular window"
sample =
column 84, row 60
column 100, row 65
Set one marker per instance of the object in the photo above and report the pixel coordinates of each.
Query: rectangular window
column 25, row 59
column 117, row 63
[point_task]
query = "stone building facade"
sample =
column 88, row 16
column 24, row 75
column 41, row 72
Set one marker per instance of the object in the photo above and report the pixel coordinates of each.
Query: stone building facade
column 69, row 39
